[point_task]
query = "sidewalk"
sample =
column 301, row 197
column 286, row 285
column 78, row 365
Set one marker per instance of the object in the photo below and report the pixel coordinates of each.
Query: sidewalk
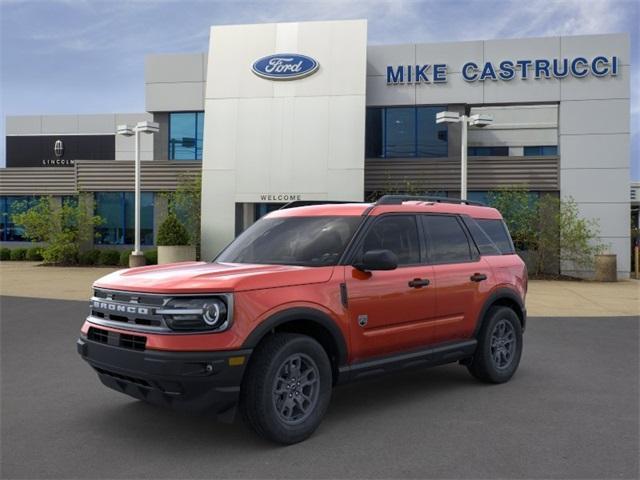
column 544, row 299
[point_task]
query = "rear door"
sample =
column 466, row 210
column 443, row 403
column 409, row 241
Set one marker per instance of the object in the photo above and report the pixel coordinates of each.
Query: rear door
column 461, row 276
column 390, row 311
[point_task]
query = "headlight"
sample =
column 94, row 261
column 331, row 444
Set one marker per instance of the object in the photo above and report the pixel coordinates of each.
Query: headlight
column 206, row 313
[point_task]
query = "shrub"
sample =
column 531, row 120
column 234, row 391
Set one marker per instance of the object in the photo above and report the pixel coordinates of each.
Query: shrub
column 172, row 232
column 90, row 257
column 62, row 228
column 124, row 258
column 109, row 257
column 34, row 254
column 18, row 253
column 5, row 254
column 151, row 256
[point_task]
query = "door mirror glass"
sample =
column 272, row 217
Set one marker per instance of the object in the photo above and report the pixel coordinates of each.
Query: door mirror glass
column 378, row 260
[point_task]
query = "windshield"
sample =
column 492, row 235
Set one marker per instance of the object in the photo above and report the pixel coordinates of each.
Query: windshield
column 306, row 241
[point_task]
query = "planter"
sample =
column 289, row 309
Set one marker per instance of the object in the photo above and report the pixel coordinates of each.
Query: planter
column 176, row 253
column 606, row 268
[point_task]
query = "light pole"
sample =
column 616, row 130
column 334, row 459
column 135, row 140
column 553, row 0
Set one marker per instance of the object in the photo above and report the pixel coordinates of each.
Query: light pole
column 136, row 259
column 478, row 120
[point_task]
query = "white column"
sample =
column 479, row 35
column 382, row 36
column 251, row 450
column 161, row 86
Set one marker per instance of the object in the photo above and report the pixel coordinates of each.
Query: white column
column 463, row 156
column 136, row 248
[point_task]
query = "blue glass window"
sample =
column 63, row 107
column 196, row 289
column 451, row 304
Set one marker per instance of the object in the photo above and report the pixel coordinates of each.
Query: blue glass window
column 432, row 136
column 185, row 135
column 403, row 132
column 541, row 151
column 488, row 151
column 117, row 212
column 10, row 205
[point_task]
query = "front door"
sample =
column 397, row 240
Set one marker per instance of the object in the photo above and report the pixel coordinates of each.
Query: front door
column 390, row 311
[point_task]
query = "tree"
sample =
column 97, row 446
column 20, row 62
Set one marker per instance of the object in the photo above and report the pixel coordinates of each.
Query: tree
column 185, row 204
column 549, row 228
column 62, row 228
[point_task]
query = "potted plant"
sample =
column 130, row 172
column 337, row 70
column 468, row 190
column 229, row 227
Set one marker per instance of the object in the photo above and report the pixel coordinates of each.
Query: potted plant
column 173, row 242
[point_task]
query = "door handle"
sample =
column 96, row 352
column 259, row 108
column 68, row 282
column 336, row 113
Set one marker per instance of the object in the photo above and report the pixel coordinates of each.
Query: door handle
column 478, row 277
column 419, row 282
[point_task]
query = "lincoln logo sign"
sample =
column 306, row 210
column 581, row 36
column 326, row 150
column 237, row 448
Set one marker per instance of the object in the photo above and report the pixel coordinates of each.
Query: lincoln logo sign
column 506, row 70
column 58, row 148
column 285, row 66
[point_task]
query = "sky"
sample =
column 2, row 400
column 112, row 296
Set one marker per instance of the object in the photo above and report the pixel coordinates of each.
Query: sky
column 87, row 56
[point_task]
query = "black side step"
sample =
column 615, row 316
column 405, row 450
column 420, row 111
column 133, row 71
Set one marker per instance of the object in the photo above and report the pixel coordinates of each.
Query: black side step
column 429, row 357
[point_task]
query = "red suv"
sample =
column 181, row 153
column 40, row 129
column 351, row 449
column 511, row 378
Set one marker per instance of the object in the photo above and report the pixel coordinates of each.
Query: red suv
column 310, row 297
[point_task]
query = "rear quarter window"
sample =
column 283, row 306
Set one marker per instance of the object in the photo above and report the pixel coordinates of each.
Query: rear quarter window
column 497, row 231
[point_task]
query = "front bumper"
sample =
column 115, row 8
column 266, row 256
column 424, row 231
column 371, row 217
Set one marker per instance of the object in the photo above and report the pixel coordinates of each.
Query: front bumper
column 188, row 381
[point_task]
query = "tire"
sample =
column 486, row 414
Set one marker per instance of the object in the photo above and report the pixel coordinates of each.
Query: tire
column 498, row 362
column 272, row 403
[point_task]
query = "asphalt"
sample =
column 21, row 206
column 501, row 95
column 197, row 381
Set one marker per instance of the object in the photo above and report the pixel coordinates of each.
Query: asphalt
column 571, row 411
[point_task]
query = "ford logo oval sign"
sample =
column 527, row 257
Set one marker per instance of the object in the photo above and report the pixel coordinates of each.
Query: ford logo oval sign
column 285, row 66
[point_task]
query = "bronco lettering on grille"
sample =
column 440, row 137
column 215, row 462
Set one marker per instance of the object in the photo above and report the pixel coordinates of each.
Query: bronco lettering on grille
column 118, row 307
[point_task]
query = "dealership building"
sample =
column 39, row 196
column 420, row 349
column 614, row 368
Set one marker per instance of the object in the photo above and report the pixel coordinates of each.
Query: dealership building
column 309, row 111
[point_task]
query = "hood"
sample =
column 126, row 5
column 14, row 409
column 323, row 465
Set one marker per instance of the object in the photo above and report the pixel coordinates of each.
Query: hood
column 203, row 277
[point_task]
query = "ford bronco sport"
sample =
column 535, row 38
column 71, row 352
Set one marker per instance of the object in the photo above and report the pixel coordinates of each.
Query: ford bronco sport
column 310, row 297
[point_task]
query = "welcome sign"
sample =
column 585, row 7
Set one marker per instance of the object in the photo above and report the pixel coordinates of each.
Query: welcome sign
column 507, row 70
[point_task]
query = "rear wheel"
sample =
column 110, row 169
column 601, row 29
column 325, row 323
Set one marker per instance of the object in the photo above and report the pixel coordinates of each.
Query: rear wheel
column 499, row 346
column 287, row 388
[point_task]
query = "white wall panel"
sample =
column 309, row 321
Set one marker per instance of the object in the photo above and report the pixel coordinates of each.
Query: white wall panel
column 594, row 117
column 595, row 151
column 596, row 185
column 279, row 137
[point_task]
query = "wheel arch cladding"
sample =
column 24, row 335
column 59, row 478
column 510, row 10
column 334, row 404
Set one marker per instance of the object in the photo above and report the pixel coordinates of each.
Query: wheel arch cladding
column 306, row 321
column 502, row 297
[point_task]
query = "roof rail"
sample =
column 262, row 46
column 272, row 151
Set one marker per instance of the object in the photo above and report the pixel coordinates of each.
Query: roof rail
column 398, row 199
column 306, row 203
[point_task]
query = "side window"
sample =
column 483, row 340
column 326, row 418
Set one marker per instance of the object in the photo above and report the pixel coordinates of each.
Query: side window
column 447, row 241
column 483, row 242
column 398, row 233
column 497, row 231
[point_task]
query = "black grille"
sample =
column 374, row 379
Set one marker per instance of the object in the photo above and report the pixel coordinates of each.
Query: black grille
column 128, row 308
column 123, row 340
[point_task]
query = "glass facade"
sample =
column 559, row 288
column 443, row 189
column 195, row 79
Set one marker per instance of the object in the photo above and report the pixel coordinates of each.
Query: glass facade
column 185, row 135
column 10, row 205
column 488, row 151
column 117, row 212
column 541, row 151
column 405, row 132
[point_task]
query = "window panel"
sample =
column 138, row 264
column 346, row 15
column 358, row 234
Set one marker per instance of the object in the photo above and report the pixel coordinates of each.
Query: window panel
column 117, row 211
column 397, row 233
column 400, row 129
column 432, row 138
column 9, row 206
column 374, row 133
column 185, row 135
column 488, row 151
column 405, row 132
column 538, row 151
column 447, row 241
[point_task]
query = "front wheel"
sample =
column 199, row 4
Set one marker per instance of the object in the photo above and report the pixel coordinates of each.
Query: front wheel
column 287, row 388
column 499, row 346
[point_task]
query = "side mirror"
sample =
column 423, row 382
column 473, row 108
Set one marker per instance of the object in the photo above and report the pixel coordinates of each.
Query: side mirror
column 377, row 260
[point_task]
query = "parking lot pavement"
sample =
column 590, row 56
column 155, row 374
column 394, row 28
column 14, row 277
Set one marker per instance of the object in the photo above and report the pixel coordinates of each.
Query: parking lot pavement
column 571, row 411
